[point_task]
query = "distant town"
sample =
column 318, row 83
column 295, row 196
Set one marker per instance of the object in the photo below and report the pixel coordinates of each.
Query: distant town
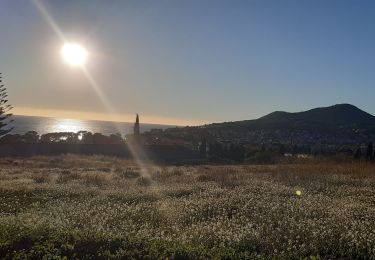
column 276, row 135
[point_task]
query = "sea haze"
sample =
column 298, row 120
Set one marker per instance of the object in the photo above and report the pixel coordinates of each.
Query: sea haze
column 43, row 125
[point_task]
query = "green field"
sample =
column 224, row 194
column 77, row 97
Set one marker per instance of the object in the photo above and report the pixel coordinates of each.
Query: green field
column 98, row 207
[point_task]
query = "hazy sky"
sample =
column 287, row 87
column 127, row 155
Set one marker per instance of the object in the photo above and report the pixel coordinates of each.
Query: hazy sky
column 189, row 61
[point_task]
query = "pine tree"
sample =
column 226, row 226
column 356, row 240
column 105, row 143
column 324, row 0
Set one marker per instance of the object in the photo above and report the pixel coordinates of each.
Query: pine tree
column 4, row 110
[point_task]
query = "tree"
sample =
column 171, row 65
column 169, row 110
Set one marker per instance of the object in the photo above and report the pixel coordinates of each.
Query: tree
column 11, row 139
column 85, row 137
column 115, row 139
column 281, row 149
column 99, row 138
column 4, row 110
column 31, row 137
column 238, row 153
column 136, row 126
column 215, row 151
column 60, row 137
column 203, row 147
column 369, row 152
column 358, row 154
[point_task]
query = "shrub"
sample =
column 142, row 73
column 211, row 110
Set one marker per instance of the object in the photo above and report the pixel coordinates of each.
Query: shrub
column 128, row 173
column 262, row 157
column 144, row 181
column 96, row 179
column 67, row 176
column 41, row 177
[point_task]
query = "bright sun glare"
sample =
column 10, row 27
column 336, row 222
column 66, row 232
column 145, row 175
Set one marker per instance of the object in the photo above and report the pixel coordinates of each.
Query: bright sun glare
column 74, row 54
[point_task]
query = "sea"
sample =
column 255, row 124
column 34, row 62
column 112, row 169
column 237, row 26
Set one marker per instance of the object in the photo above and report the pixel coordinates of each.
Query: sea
column 43, row 125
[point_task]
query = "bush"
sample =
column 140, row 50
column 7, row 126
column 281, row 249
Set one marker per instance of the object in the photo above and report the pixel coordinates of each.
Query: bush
column 144, row 181
column 263, row 157
column 41, row 177
column 128, row 173
column 96, row 179
column 67, row 176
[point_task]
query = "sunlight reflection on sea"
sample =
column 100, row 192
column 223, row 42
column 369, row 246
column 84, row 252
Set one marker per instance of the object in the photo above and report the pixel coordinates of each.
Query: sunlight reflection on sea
column 44, row 125
column 67, row 125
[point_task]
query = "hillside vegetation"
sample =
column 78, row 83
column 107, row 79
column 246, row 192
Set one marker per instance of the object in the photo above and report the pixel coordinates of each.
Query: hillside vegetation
column 101, row 207
column 322, row 118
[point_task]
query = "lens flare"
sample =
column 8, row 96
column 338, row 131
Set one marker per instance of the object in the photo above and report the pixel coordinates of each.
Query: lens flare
column 74, row 54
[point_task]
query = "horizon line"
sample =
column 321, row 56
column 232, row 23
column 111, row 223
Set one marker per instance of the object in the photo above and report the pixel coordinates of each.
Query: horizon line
column 93, row 116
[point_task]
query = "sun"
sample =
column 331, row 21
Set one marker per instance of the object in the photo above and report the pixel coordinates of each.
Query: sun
column 74, row 54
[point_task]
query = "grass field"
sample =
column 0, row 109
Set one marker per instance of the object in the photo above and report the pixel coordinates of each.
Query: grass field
column 102, row 207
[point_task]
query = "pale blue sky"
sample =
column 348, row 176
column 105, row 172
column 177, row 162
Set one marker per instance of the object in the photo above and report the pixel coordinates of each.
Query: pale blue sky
column 190, row 61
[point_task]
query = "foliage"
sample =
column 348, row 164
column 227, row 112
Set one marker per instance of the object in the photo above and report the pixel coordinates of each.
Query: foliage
column 226, row 153
column 262, row 157
column 4, row 110
column 81, row 137
column 370, row 152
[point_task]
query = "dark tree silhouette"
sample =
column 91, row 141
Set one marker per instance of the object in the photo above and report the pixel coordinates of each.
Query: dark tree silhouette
column 59, row 137
column 203, row 147
column 281, row 149
column 4, row 110
column 370, row 152
column 85, row 137
column 31, row 137
column 215, row 151
column 11, row 139
column 237, row 153
column 136, row 126
column 99, row 138
column 358, row 154
column 115, row 139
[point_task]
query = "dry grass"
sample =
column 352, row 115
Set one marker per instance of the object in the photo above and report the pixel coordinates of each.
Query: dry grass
column 52, row 206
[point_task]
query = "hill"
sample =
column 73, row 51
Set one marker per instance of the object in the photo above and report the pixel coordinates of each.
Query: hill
column 324, row 118
column 341, row 124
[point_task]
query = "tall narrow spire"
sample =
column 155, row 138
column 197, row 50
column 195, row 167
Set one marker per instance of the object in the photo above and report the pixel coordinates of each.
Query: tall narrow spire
column 136, row 126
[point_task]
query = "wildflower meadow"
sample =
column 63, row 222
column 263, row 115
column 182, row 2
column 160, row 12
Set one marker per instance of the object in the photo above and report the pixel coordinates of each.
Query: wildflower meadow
column 95, row 207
